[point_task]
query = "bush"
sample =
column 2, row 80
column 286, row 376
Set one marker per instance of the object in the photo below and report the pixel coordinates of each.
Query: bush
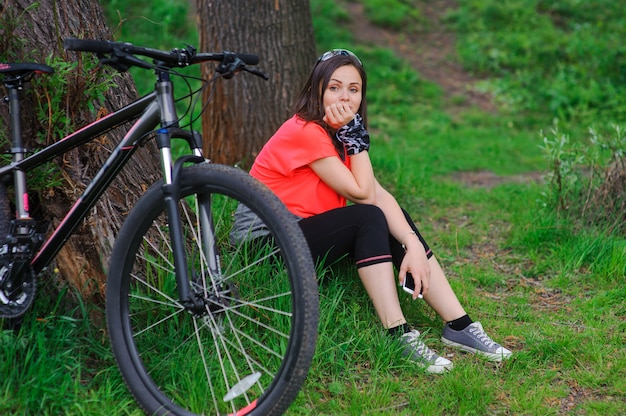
column 565, row 57
column 588, row 179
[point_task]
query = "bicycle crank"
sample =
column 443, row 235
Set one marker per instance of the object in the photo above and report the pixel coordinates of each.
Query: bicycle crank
column 17, row 277
column 17, row 288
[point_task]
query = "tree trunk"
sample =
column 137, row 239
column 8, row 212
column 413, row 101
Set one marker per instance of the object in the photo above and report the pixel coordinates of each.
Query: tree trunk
column 33, row 32
column 246, row 110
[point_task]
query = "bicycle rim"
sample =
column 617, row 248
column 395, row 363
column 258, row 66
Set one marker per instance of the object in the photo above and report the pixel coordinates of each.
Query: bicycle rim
column 248, row 349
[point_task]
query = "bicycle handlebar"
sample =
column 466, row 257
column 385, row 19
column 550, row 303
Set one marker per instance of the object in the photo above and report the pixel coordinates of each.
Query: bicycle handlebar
column 175, row 57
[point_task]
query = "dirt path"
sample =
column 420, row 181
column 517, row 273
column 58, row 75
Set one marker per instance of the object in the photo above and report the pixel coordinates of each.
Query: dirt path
column 431, row 51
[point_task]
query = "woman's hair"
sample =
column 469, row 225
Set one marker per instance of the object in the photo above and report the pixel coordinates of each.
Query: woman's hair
column 310, row 107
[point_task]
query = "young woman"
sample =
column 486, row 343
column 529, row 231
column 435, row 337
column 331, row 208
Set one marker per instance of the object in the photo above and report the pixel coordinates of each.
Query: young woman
column 316, row 162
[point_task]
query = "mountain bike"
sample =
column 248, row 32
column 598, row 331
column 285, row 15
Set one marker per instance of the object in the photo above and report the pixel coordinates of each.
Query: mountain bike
column 197, row 324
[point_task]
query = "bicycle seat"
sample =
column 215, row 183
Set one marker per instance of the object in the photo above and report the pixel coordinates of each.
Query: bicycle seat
column 21, row 69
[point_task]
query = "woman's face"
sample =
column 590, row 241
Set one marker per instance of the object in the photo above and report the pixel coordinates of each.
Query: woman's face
column 344, row 88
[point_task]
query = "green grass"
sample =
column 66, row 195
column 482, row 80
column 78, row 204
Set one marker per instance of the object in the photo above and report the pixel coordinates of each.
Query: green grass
column 543, row 285
column 565, row 57
column 59, row 362
column 549, row 291
column 393, row 14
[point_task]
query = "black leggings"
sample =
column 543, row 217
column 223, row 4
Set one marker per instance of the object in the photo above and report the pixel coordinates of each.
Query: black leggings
column 359, row 231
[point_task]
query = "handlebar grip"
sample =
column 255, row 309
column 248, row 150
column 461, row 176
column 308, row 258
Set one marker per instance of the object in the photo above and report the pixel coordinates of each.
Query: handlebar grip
column 248, row 58
column 97, row 46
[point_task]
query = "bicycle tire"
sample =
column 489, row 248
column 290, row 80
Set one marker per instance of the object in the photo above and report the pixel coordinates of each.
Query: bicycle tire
column 178, row 363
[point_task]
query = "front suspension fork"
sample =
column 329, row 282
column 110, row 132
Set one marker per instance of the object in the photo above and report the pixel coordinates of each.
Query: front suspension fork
column 206, row 234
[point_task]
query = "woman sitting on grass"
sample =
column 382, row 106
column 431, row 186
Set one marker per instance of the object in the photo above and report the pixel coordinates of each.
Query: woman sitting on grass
column 318, row 160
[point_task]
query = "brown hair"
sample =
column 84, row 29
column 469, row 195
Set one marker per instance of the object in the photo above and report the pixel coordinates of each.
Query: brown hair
column 309, row 106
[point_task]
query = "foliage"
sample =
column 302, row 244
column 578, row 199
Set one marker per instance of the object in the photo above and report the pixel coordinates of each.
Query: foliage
column 393, row 14
column 568, row 60
column 581, row 172
column 58, row 362
column 161, row 25
column 11, row 46
column 329, row 25
column 57, row 106
column 565, row 57
column 544, row 285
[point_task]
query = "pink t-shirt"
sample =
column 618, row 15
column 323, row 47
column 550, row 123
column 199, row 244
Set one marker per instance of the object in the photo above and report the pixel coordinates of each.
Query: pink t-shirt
column 283, row 165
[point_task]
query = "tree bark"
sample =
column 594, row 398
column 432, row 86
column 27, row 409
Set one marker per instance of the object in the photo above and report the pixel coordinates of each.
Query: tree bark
column 246, row 110
column 31, row 33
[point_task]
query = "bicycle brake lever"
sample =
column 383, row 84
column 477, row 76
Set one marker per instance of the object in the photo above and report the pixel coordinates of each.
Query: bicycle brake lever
column 229, row 71
column 230, row 65
column 257, row 73
column 113, row 63
column 122, row 61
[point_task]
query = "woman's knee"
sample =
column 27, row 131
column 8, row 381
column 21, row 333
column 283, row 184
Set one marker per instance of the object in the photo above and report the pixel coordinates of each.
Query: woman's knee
column 370, row 214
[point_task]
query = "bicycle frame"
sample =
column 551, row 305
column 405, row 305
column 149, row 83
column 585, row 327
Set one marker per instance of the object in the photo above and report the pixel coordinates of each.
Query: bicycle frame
column 116, row 161
column 149, row 108
column 252, row 328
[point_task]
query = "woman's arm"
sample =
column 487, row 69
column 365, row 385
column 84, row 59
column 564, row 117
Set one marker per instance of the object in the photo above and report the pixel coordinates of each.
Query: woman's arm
column 415, row 260
column 356, row 184
column 360, row 186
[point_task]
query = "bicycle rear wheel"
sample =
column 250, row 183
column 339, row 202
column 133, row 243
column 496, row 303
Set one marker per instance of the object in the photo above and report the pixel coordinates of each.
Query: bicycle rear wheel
column 247, row 350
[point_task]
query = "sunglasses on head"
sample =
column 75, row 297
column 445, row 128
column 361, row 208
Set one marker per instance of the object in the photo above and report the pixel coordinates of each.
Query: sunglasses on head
column 337, row 52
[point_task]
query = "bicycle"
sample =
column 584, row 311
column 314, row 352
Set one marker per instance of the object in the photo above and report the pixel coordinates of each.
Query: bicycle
column 197, row 324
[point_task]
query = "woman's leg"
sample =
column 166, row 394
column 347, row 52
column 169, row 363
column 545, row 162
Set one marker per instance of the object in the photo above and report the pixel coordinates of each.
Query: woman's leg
column 380, row 284
column 362, row 232
column 440, row 295
column 460, row 331
column 357, row 230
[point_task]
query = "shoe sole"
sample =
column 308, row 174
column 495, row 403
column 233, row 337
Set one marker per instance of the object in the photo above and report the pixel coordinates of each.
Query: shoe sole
column 491, row 356
column 439, row 369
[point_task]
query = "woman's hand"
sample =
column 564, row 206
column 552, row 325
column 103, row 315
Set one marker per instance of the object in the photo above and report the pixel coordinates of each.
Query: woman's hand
column 416, row 262
column 338, row 115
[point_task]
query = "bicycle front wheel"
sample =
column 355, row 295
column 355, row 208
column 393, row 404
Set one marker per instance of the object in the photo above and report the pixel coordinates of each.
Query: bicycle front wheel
column 246, row 345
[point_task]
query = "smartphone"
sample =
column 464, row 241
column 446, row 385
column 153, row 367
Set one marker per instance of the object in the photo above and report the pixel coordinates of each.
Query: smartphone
column 409, row 285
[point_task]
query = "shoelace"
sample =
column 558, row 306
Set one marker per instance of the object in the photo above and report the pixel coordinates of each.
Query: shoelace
column 422, row 349
column 482, row 336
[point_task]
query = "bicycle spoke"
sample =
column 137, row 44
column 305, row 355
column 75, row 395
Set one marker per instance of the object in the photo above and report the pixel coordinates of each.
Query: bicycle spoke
column 221, row 348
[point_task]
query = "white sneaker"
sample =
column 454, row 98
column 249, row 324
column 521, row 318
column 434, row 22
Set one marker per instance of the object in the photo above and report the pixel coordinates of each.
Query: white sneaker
column 416, row 350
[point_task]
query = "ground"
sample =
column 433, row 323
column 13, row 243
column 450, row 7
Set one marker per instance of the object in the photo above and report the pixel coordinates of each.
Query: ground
column 432, row 52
